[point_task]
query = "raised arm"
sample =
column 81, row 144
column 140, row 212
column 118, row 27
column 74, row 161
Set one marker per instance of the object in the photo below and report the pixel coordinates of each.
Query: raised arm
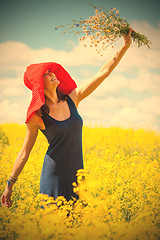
column 82, row 92
column 31, row 135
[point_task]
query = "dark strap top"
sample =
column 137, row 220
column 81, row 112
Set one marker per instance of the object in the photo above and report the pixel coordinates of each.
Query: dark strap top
column 65, row 141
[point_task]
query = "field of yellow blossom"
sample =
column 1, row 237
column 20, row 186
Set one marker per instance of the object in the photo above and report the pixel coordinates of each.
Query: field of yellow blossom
column 119, row 189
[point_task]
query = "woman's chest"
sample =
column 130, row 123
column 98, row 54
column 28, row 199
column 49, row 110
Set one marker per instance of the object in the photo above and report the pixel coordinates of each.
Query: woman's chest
column 60, row 111
column 59, row 130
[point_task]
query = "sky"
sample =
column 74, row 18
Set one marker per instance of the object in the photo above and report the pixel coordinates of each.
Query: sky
column 129, row 97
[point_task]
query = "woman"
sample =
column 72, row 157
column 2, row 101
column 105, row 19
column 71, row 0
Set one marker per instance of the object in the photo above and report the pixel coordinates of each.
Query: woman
column 53, row 110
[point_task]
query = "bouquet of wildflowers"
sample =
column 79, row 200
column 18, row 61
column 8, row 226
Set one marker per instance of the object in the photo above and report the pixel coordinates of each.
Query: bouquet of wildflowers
column 103, row 29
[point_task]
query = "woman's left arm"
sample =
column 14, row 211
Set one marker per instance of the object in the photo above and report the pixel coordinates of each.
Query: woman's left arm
column 85, row 90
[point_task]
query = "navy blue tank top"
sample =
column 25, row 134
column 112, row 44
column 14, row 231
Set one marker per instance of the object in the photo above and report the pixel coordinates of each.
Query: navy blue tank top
column 65, row 143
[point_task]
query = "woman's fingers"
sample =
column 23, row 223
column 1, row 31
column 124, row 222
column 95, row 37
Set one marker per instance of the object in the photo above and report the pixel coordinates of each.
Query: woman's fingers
column 2, row 200
column 130, row 31
column 6, row 201
column 128, row 38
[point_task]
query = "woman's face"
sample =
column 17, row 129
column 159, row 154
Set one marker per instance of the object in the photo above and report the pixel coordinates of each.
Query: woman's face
column 50, row 80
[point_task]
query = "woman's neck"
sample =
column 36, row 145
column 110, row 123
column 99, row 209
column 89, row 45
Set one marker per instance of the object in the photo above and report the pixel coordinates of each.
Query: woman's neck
column 51, row 98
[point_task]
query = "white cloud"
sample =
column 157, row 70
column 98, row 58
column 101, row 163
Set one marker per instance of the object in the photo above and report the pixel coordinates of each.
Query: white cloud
column 120, row 111
column 150, row 105
column 15, row 109
column 12, row 111
column 153, row 33
column 143, row 56
column 145, row 81
column 14, row 91
column 117, row 112
column 16, row 55
column 101, row 111
column 85, row 73
column 112, row 84
column 98, row 108
column 12, row 87
column 96, row 103
column 132, row 116
column 11, row 82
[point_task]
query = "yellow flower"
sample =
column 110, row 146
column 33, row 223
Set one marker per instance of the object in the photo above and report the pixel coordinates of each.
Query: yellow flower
column 112, row 201
column 74, row 184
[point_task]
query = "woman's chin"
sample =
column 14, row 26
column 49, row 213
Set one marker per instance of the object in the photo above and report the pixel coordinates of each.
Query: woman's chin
column 55, row 82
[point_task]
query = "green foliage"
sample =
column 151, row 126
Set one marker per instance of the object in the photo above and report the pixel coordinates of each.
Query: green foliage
column 3, row 138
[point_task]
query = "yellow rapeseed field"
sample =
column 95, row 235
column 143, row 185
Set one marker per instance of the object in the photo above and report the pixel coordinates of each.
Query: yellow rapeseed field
column 119, row 189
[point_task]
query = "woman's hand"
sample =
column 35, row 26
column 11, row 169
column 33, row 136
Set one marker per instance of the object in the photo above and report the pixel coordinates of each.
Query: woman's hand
column 128, row 38
column 6, row 197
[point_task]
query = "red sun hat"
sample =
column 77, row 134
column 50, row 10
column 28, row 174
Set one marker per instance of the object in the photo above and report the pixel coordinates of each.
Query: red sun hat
column 33, row 79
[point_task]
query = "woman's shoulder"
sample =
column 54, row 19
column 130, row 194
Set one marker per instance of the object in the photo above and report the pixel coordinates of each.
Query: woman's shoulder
column 35, row 121
column 74, row 97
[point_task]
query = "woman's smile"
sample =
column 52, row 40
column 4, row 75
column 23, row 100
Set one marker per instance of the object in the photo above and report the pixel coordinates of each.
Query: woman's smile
column 53, row 79
column 50, row 80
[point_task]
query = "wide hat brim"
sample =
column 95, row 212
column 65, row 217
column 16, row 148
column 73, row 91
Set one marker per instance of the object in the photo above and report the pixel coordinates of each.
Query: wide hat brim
column 33, row 79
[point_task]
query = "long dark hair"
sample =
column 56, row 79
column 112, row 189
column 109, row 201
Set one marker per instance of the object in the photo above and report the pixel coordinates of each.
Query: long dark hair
column 45, row 109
